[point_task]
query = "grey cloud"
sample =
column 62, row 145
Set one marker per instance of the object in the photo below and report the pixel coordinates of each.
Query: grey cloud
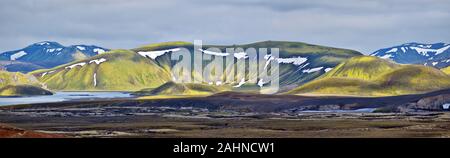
column 356, row 24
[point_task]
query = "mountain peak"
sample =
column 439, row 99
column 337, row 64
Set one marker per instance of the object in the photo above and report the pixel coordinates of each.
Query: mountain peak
column 47, row 54
column 436, row 55
column 47, row 43
column 423, row 45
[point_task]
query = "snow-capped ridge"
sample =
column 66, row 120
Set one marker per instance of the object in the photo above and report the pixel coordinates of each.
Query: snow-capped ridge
column 417, row 53
column 97, row 61
column 154, row 54
column 18, row 55
column 74, row 65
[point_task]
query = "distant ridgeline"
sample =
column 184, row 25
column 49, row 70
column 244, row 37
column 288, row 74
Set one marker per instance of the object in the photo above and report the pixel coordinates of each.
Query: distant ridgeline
column 45, row 55
column 150, row 66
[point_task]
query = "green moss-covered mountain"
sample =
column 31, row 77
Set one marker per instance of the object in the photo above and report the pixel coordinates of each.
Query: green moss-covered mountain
column 118, row 70
column 23, row 90
column 16, row 78
column 372, row 76
column 150, row 66
column 18, row 84
column 364, row 68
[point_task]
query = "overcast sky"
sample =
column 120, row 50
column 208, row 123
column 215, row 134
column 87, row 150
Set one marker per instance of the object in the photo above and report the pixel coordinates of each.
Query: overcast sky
column 361, row 25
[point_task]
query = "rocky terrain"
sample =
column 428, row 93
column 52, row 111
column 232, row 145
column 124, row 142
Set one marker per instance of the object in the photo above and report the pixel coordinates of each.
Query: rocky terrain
column 7, row 131
column 197, row 122
column 231, row 114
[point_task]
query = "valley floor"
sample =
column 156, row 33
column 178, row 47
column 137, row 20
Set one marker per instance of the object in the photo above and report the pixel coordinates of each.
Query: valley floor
column 156, row 122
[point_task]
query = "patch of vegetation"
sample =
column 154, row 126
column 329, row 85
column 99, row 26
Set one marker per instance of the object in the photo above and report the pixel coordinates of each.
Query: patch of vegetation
column 23, row 90
column 363, row 67
column 371, row 76
column 122, row 70
column 16, row 78
column 446, row 70
column 189, row 89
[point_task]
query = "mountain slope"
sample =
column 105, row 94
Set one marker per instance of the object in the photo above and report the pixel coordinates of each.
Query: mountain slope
column 436, row 55
column 18, row 84
column 446, row 70
column 414, row 79
column 393, row 80
column 364, row 68
column 119, row 70
column 23, row 90
column 16, row 78
column 46, row 55
column 172, row 88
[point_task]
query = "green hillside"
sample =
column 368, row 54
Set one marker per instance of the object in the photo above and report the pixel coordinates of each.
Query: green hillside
column 16, row 78
column 23, row 90
column 119, row 70
column 378, row 77
column 364, row 68
column 172, row 88
column 414, row 79
column 446, row 70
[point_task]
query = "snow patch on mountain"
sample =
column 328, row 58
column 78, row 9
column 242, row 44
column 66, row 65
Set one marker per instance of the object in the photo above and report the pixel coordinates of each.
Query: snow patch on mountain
column 387, row 56
column 18, row 55
column 155, row 54
column 45, row 73
column 95, row 79
column 99, row 50
column 404, row 49
column 423, row 51
column 214, row 53
column 392, row 50
column 97, row 61
column 241, row 55
column 81, row 48
column 242, row 82
column 261, row 83
column 441, row 50
column 43, row 43
column 77, row 64
column 50, row 50
column 294, row 60
column 312, row 70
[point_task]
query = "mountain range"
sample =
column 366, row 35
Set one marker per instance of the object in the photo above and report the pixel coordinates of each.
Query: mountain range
column 436, row 55
column 150, row 66
column 46, row 54
column 304, row 69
